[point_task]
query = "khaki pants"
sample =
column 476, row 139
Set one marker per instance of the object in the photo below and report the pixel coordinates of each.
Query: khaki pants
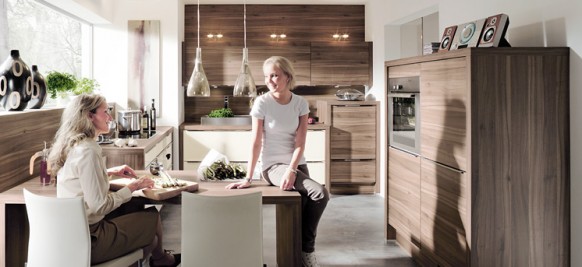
column 122, row 231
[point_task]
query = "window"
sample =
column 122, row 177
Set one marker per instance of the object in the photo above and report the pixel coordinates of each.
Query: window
column 45, row 37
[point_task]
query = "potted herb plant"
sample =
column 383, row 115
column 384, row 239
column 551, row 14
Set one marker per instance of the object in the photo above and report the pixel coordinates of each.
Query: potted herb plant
column 59, row 84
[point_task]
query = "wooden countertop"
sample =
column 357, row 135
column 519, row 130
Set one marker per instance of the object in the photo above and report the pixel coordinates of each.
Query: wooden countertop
column 143, row 144
column 272, row 194
column 198, row 127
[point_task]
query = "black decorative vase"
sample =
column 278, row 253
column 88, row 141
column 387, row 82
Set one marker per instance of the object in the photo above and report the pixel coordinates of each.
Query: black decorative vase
column 15, row 83
column 38, row 89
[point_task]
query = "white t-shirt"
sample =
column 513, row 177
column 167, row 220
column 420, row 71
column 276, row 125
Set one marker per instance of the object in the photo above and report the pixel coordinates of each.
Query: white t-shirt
column 84, row 174
column 279, row 128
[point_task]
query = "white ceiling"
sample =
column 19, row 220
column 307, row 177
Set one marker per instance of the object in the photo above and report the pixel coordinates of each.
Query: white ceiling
column 278, row 2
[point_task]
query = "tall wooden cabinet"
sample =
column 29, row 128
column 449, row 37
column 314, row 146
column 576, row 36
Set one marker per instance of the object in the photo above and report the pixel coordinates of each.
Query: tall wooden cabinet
column 353, row 143
column 493, row 171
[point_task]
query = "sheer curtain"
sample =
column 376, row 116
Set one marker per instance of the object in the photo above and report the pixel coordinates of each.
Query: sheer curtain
column 3, row 30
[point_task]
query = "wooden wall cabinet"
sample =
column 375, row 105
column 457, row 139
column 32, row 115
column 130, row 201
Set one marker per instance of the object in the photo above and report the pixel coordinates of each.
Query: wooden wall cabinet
column 494, row 160
column 318, row 58
column 236, row 146
column 353, row 149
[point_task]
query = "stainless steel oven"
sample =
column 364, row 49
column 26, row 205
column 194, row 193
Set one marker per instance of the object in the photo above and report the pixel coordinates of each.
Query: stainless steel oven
column 404, row 113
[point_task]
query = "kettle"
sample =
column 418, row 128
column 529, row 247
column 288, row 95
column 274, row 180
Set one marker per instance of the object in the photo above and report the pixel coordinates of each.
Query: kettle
column 45, row 178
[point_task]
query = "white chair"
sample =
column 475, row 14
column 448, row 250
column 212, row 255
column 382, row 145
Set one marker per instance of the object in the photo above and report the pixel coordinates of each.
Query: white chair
column 59, row 234
column 220, row 231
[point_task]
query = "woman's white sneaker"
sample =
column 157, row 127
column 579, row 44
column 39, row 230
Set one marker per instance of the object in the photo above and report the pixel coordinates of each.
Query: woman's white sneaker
column 309, row 259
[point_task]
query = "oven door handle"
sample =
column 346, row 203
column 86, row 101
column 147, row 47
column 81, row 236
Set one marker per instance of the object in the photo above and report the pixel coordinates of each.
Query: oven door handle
column 407, row 95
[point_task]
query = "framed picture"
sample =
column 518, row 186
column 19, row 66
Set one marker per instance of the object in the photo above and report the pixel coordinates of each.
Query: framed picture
column 144, row 64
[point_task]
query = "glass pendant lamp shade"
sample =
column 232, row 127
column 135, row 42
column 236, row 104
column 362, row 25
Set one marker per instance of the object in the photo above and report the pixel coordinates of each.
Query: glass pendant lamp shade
column 198, row 84
column 245, row 85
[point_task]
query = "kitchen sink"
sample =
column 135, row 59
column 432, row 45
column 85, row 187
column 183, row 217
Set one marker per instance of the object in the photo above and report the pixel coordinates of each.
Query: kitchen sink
column 236, row 120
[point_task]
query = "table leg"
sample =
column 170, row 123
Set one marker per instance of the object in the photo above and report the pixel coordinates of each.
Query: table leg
column 289, row 234
column 15, row 241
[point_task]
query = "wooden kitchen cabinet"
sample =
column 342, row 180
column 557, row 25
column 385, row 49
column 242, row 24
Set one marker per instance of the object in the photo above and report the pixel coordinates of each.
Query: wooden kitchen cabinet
column 494, row 159
column 158, row 147
column 443, row 209
column 404, row 198
column 353, row 149
column 341, row 63
column 317, row 57
column 236, row 146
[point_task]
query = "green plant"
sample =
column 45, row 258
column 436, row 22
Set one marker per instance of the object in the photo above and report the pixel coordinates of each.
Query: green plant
column 85, row 85
column 59, row 83
column 221, row 113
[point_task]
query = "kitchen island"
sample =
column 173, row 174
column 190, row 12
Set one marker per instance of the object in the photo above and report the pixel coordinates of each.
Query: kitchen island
column 233, row 141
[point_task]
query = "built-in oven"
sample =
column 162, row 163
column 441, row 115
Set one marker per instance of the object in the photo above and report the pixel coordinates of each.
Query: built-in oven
column 404, row 113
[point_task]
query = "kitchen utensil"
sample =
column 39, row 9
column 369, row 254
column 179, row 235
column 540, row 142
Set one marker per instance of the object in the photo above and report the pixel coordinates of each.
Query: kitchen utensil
column 129, row 121
column 155, row 167
column 349, row 94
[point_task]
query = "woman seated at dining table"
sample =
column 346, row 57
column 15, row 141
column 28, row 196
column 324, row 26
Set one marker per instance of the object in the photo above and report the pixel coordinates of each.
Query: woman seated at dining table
column 75, row 157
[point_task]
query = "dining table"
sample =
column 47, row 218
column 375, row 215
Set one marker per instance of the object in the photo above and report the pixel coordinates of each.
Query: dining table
column 14, row 235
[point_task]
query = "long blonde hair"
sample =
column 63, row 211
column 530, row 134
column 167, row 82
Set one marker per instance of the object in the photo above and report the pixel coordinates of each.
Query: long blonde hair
column 285, row 66
column 76, row 126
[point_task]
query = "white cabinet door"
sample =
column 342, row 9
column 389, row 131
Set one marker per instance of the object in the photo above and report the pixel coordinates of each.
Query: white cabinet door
column 315, row 146
column 235, row 145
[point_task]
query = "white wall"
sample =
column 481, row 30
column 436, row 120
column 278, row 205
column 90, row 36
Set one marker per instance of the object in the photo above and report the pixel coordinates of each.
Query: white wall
column 532, row 23
column 110, row 56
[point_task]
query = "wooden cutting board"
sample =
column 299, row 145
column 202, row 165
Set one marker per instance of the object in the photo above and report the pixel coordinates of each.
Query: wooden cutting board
column 158, row 192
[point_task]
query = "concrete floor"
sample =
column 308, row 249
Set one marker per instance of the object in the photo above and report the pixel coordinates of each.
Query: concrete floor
column 351, row 233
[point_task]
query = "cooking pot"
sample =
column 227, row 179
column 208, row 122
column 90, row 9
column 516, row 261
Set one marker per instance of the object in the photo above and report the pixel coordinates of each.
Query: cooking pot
column 129, row 121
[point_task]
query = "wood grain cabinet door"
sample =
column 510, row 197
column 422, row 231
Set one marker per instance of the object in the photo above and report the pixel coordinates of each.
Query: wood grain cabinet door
column 353, row 135
column 404, row 196
column 443, row 112
column 443, row 220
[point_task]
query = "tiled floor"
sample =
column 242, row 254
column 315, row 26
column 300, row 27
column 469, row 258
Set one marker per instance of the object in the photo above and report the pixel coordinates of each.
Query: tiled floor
column 350, row 233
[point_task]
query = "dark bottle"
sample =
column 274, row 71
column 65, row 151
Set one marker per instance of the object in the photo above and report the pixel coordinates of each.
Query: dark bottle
column 153, row 116
column 145, row 120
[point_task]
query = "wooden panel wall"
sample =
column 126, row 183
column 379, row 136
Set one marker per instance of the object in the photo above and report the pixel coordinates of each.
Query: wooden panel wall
column 21, row 136
column 303, row 25
column 196, row 107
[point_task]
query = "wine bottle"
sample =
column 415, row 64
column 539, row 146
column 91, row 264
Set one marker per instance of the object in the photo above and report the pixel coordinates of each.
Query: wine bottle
column 145, row 120
column 153, row 116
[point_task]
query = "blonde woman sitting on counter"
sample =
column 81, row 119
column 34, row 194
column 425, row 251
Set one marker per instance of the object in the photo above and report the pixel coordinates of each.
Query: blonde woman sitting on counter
column 279, row 130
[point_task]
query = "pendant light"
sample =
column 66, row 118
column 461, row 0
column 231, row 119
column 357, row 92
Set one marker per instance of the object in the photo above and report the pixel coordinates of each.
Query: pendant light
column 198, row 83
column 245, row 85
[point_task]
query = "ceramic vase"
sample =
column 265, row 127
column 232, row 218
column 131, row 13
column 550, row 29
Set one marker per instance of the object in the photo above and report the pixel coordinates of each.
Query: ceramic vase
column 39, row 93
column 15, row 83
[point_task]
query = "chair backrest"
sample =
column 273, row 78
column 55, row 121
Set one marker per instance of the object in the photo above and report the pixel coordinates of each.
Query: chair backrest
column 222, row 230
column 59, row 232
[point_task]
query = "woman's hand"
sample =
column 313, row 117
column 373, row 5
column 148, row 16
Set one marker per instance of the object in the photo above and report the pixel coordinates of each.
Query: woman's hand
column 239, row 185
column 122, row 171
column 141, row 183
column 288, row 180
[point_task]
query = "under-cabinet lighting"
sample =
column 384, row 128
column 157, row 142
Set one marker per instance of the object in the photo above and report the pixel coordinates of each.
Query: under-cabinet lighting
column 214, row 36
column 340, row 37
